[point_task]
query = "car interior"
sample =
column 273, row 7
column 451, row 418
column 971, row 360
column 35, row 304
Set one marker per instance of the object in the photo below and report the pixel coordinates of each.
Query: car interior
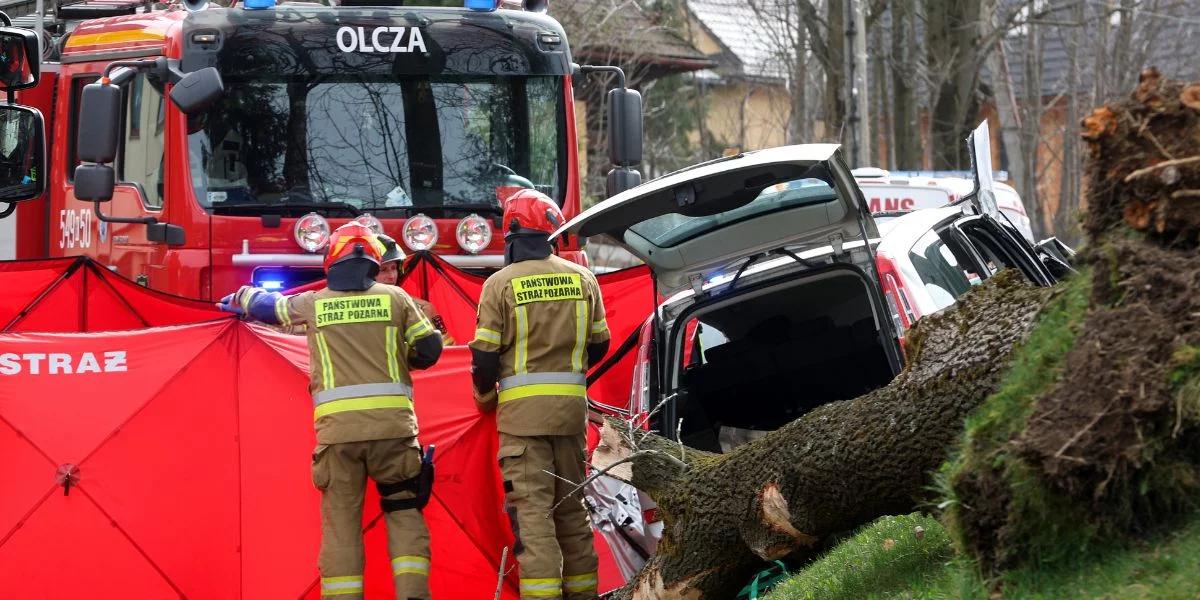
column 762, row 358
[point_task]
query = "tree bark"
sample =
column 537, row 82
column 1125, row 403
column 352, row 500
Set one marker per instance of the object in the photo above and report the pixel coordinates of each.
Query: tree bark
column 906, row 131
column 837, row 467
column 1068, row 198
column 835, row 47
column 953, row 51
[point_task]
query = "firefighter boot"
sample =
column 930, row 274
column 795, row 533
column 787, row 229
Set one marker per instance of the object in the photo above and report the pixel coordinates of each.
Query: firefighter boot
column 399, row 460
column 571, row 523
column 341, row 479
column 529, row 492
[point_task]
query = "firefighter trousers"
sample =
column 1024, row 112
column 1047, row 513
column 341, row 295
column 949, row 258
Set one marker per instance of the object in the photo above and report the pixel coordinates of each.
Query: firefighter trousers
column 340, row 471
column 556, row 555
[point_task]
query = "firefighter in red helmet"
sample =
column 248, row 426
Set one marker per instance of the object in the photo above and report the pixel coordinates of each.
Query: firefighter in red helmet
column 540, row 324
column 363, row 339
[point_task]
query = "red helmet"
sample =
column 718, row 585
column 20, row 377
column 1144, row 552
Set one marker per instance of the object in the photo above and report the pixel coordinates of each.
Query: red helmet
column 345, row 241
column 529, row 211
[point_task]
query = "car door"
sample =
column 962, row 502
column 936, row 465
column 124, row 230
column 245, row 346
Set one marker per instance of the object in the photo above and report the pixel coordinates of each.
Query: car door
column 992, row 235
column 1002, row 246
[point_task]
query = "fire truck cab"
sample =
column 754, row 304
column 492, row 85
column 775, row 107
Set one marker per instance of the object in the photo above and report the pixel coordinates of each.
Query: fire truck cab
column 197, row 148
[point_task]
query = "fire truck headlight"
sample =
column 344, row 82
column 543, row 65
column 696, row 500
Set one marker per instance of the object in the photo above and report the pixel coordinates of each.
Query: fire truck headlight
column 312, row 232
column 420, row 233
column 473, row 234
column 370, row 222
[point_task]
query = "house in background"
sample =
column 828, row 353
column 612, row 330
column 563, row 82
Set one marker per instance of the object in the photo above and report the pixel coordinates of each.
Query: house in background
column 746, row 93
column 632, row 37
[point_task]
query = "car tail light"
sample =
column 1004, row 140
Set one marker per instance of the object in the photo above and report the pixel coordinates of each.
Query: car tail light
column 893, row 292
column 473, row 234
column 639, row 394
column 420, row 233
column 312, row 232
column 370, row 222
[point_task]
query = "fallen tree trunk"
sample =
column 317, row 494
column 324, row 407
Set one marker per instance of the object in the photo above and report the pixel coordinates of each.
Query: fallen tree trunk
column 837, row 467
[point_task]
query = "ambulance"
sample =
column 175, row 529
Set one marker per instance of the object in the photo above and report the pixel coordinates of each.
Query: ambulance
column 893, row 193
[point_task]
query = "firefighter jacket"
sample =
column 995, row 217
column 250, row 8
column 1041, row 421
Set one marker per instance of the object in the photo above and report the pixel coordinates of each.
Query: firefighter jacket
column 431, row 313
column 361, row 347
column 540, row 315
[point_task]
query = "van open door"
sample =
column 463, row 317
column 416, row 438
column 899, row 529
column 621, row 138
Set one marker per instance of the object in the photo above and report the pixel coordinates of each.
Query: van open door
column 984, row 195
column 989, row 231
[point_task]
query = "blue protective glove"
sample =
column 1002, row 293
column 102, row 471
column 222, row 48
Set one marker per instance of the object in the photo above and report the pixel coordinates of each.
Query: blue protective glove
column 229, row 304
column 233, row 303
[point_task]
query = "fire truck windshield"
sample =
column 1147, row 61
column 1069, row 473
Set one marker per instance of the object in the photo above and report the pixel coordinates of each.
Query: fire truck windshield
column 393, row 143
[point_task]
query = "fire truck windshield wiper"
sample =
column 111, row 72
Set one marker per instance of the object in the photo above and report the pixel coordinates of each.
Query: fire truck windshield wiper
column 285, row 208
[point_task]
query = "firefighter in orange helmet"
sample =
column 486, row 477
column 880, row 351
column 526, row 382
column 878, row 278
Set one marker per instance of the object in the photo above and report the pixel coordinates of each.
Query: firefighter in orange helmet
column 363, row 339
column 540, row 324
column 389, row 273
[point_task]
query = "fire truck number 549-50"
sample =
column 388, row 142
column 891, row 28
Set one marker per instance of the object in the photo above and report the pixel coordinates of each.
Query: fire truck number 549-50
column 76, row 228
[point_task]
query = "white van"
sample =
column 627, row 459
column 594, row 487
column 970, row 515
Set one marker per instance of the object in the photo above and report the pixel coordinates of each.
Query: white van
column 891, row 194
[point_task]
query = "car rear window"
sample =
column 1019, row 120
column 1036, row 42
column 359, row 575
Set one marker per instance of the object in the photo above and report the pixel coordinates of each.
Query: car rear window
column 673, row 229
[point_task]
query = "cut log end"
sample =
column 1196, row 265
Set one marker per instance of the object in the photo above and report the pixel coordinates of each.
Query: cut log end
column 1190, row 97
column 1101, row 123
column 774, row 536
column 650, row 586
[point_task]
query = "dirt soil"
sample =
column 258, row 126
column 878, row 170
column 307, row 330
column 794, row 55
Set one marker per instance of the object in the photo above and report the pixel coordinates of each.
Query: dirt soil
column 1105, row 421
column 1117, row 438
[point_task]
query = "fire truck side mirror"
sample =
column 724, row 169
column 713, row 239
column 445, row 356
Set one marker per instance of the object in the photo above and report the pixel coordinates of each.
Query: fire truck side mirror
column 197, row 90
column 20, row 62
column 621, row 179
column 94, row 183
column 624, row 127
column 99, row 122
column 22, row 153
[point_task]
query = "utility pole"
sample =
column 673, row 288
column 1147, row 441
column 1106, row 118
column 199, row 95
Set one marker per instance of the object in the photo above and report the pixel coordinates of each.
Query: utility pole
column 856, row 84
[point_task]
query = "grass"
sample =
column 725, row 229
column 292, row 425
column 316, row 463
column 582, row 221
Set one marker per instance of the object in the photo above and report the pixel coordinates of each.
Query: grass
column 1166, row 567
column 884, row 555
column 1037, row 365
column 864, row 566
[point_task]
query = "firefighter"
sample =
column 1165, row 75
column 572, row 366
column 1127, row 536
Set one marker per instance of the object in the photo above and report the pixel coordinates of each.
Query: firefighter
column 363, row 338
column 389, row 273
column 540, row 324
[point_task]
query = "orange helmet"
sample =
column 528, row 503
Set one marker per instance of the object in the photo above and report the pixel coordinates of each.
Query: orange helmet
column 346, row 241
column 530, row 211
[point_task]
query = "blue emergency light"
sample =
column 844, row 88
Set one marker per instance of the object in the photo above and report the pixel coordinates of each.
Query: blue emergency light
column 271, row 285
column 481, row 5
column 257, row 4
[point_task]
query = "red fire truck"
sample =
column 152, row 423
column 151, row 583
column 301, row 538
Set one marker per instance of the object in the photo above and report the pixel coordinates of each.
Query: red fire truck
column 195, row 148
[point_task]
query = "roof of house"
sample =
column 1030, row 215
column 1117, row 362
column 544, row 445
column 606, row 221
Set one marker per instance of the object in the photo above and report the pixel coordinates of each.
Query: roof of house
column 1165, row 38
column 630, row 35
column 751, row 49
